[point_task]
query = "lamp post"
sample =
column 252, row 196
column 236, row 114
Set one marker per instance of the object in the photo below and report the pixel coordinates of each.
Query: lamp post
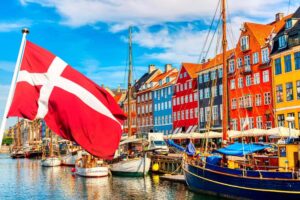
column 290, row 119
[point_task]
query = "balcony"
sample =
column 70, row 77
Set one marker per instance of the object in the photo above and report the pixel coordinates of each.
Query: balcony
column 245, row 48
column 246, row 69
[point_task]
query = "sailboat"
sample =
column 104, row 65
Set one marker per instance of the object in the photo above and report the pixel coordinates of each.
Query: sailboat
column 17, row 150
column 243, row 178
column 51, row 160
column 72, row 153
column 129, row 161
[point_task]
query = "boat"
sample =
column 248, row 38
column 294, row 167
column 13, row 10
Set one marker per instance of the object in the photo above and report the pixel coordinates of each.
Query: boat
column 17, row 150
column 72, row 153
column 90, row 166
column 240, row 170
column 50, row 160
column 129, row 161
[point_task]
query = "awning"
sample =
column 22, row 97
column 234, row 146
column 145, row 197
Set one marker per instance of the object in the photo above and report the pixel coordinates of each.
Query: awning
column 194, row 128
column 283, row 132
column 189, row 129
column 176, row 130
column 239, row 149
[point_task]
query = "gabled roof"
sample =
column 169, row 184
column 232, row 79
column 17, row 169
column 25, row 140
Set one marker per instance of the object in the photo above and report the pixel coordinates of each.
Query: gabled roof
column 164, row 75
column 192, row 68
column 144, row 79
column 173, row 75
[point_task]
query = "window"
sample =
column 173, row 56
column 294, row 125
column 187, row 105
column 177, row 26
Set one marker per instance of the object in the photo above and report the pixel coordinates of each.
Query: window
column 186, row 98
column 248, row 101
column 233, row 104
column 221, row 72
column 265, row 55
column 289, row 91
column 298, row 91
column 280, row 120
column 178, row 115
column 138, row 111
column 207, row 93
column 181, row 87
column 213, row 75
column 287, row 63
column 174, row 102
column 288, row 24
column 167, row 79
column 215, row 115
column 248, row 80
column 178, row 100
column 182, row 100
column 245, row 43
column 191, row 113
column 191, row 98
column 160, row 82
column 195, row 96
column 231, row 66
column 190, row 84
column 258, row 100
column 138, row 99
column 187, row 114
column 232, row 84
column 163, row 120
column 256, row 78
column 279, row 94
column 267, row 97
column 266, row 76
column 239, row 62
column 292, row 123
column 196, row 112
column 269, row 124
column 170, row 104
column 234, row 124
column 251, row 123
column 241, row 102
column 297, row 60
column 278, row 69
column 282, row 41
column 169, row 90
column 182, row 114
column 247, row 60
column 185, row 86
column 166, row 105
column 201, row 94
column 207, row 113
column 240, row 82
column 158, row 106
column 255, row 58
column 200, row 79
column 259, row 122
column 155, row 107
column 201, row 115
column 221, row 89
column 180, row 76
column 206, row 77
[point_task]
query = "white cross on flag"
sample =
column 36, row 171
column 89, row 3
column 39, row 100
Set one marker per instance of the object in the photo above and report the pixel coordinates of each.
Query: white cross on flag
column 73, row 106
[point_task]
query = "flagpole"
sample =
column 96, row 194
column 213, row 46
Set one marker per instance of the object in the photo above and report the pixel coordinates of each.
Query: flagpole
column 25, row 31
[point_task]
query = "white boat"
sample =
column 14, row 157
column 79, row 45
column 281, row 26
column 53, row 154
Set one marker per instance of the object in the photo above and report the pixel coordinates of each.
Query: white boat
column 131, row 167
column 89, row 166
column 70, row 159
column 51, row 162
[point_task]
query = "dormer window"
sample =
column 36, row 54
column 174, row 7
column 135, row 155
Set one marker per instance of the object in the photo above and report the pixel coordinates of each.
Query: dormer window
column 231, row 66
column 167, row 79
column 245, row 43
column 160, row 82
column 282, row 41
column 288, row 24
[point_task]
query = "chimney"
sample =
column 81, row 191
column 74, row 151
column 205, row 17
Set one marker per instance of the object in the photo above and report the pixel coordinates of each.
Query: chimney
column 151, row 68
column 119, row 88
column 279, row 16
column 168, row 67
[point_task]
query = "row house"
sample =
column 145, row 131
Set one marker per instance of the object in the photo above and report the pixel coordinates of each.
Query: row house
column 286, row 72
column 210, row 89
column 185, row 99
column 250, row 77
column 162, row 100
column 144, row 101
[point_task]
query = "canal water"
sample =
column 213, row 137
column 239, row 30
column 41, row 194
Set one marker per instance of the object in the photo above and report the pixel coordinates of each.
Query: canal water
column 23, row 179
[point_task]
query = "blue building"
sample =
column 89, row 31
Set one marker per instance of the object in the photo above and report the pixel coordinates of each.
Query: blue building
column 162, row 100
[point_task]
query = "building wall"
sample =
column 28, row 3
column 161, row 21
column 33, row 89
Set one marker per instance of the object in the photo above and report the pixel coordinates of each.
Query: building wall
column 162, row 109
column 286, row 107
column 185, row 101
column 133, row 116
column 205, row 85
column 144, row 111
column 259, row 114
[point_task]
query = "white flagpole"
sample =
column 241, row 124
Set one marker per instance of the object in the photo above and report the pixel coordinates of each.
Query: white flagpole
column 25, row 31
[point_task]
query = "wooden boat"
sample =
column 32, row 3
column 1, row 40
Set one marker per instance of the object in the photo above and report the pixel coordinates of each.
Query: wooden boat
column 72, row 153
column 51, row 160
column 89, row 166
column 223, row 176
column 18, row 151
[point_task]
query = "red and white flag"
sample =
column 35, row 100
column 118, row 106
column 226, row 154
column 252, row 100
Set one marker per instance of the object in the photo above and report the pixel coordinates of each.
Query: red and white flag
column 73, row 106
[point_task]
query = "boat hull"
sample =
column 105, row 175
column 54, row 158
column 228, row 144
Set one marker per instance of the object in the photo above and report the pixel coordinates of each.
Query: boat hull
column 203, row 180
column 131, row 167
column 69, row 160
column 51, row 162
column 92, row 172
column 33, row 154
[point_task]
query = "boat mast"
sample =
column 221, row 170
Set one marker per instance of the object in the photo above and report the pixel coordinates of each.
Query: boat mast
column 224, row 80
column 51, row 145
column 129, row 84
column 19, row 133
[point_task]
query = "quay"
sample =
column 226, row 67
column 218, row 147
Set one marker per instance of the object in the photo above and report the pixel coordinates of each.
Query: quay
column 167, row 164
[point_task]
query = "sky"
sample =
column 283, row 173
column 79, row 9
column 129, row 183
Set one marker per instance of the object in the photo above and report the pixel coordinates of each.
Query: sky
column 91, row 35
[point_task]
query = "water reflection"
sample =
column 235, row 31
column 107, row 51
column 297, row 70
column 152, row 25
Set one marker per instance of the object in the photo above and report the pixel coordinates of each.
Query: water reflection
column 26, row 179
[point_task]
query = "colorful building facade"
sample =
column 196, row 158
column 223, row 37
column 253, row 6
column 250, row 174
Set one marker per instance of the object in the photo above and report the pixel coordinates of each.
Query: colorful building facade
column 185, row 99
column 249, row 77
column 286, row 72
column 162, row 100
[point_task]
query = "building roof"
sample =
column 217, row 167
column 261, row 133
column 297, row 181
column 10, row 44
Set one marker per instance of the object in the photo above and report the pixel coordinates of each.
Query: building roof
column 144, row 79
column 192, row 68
column 173, row 74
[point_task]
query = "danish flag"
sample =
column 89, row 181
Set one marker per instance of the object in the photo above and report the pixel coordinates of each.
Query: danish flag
column 72, row 106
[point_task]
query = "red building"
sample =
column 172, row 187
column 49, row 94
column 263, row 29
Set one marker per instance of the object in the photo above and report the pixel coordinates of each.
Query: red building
column 185, row 99
column 250, row 77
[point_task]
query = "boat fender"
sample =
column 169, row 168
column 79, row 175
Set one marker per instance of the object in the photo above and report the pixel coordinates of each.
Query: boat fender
column 73, row 170
column 155, row 167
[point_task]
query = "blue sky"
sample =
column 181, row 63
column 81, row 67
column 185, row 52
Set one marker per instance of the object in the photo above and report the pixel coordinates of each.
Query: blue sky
column 91, row 35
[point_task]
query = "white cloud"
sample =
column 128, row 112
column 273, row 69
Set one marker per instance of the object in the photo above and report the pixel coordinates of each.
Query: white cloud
column 7, row 66
column 13, row 26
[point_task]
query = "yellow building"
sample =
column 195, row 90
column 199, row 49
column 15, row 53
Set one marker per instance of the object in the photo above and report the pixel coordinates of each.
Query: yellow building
column 285, row 57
